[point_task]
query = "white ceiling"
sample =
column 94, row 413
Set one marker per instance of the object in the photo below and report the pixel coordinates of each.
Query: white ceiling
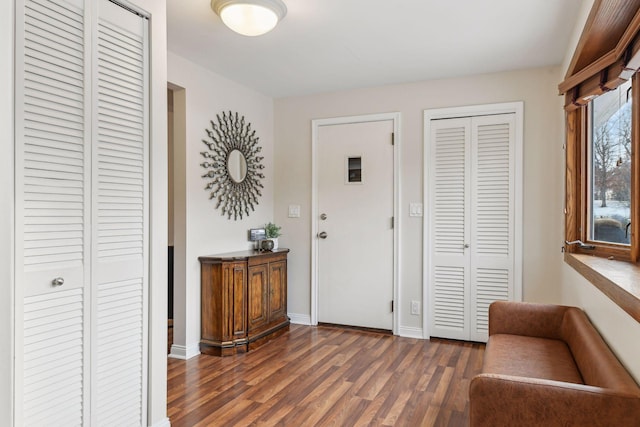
column 329, row 45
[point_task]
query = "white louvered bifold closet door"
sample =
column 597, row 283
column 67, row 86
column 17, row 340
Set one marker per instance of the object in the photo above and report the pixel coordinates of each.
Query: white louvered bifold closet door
column 449, row 229
column 471, row 227
column 81, row 214
column 492, row 217
column 52, row 181
column 119, row 279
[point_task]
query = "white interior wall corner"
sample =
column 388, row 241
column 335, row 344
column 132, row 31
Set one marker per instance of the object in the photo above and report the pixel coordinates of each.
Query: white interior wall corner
column 6, row 214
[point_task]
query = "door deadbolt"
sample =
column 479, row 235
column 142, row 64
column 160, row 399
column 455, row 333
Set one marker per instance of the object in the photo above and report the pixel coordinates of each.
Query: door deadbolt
column 322, row 235
column 323, row 216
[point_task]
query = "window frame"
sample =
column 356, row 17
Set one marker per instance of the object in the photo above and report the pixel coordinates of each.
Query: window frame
column 578, row 174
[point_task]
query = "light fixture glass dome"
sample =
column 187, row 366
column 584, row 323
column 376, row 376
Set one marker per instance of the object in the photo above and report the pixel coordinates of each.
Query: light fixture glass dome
column 250, row 17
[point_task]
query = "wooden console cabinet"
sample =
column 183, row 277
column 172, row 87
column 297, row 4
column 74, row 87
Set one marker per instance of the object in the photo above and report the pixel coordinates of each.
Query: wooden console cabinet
column 244, row 300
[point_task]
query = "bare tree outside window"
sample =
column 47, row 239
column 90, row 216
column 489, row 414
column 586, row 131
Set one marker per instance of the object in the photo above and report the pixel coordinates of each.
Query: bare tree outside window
column 611, row 166
column 603, row 152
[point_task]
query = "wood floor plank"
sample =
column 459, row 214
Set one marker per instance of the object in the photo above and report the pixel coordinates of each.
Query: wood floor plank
column 327, row 376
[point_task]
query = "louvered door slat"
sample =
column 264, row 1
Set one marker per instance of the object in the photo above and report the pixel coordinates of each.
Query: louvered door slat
column 40, row 91
column 128, row 96
column 449, row 190
column 117, row 163
column 53, row 134
column 65, row 47
column 113, row 62
column 120, row 188
column 491, row 285
column 448, row 177
column 62, row 410
column 119, row 334
column 492, row 260
column 50, row 211
column 53, row 358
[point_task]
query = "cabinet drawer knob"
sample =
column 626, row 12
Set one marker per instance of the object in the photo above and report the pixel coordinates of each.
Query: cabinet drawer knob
column 58, row 281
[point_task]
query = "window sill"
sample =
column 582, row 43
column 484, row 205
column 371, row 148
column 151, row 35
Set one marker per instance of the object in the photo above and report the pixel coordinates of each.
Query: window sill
column 618, row 280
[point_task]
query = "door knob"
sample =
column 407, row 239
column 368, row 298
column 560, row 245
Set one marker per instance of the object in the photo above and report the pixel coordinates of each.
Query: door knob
column 58, row 281
column 322, row 235
column 466, row 246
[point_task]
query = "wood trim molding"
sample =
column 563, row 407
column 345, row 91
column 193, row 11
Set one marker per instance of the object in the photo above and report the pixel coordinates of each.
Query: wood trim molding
column 610, row 23
column 618, row 280
column 572, row 177
column 591, row 70
column 635, row 171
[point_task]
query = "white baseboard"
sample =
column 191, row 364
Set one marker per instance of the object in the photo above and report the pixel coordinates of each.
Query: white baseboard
column 410, row 332
column 300, row 319
column 162, row 423
column 184, row 353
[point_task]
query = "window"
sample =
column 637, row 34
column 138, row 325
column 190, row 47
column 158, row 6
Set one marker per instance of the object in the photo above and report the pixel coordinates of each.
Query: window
column 609, row 184
column 602, row 104
column 601, row 180
column 354, row 170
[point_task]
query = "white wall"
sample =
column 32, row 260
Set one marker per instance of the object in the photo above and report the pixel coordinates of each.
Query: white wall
column 6, row 214
column 542, row 172
column 619, row 329
column 206, row 232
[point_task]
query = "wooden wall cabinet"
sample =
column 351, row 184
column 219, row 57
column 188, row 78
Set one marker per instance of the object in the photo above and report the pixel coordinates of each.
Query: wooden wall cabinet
column 244, row 300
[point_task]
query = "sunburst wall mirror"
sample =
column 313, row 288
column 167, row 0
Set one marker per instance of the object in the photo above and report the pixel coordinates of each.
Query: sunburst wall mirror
column 233, row 165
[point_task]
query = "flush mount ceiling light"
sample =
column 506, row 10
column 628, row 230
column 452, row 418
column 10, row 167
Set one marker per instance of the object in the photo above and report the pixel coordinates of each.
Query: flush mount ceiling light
column 250, row 17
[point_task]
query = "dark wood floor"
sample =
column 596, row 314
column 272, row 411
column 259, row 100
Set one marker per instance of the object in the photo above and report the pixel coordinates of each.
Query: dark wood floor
column 328, row 376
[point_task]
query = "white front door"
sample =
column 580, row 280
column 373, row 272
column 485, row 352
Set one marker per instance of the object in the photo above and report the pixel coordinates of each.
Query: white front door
column 355, row 224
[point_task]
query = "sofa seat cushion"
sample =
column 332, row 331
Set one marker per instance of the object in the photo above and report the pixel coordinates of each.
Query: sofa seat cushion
column 532, row 357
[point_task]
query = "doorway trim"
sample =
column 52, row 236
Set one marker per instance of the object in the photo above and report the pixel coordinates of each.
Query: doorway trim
column 315, row 127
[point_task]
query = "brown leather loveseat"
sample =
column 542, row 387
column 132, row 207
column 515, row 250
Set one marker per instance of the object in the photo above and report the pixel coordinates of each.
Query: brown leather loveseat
column 546, row 365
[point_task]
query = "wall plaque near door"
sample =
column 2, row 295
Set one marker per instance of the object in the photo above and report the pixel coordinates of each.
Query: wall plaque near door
column 233, row 165
column 354, row 170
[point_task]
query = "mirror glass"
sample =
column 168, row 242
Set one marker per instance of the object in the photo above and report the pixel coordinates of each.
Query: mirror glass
column 237, row 166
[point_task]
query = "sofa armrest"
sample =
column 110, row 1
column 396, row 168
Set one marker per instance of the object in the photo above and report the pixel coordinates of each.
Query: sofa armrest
column 527, row 319
column 504, row 400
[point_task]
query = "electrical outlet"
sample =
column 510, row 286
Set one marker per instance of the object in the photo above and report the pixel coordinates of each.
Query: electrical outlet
column 415, row 307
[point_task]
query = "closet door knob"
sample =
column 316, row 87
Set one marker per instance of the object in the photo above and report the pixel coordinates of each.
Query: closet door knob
column 58, row 281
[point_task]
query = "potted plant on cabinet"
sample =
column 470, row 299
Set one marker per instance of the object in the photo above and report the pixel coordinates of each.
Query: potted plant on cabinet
column 272, row 233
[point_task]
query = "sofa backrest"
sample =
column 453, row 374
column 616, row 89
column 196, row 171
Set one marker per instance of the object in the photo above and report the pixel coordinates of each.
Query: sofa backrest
column 597, row 364
column 528, row 319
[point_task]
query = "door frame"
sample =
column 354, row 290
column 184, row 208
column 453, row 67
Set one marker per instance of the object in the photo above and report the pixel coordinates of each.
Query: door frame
column 315, row 127
column 516, row 108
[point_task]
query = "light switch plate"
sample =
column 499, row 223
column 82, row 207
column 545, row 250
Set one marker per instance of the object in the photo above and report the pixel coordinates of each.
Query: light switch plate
column 294, row 211
column 415, row 209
